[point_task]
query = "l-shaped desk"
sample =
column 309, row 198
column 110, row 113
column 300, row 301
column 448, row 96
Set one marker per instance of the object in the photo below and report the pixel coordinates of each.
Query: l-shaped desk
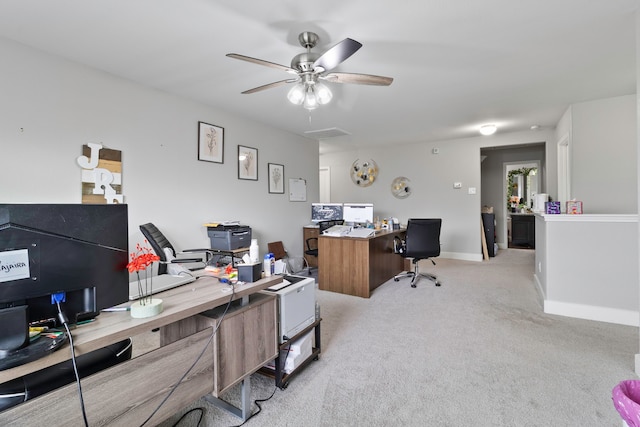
column 127, row 393
column 355, row 265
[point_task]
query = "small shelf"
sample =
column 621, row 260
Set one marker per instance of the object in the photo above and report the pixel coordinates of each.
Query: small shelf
column 281, row 377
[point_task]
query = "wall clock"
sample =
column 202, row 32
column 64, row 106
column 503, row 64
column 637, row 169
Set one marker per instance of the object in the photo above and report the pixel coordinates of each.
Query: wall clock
column 400, row 187
column 364, row 173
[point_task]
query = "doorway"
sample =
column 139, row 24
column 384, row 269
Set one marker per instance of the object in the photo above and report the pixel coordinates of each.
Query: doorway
column 521, row 185
column 325, row 185
column 493, row 177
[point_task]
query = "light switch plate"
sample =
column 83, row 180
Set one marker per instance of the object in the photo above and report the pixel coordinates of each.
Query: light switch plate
column 457, row 185
column 472, row 190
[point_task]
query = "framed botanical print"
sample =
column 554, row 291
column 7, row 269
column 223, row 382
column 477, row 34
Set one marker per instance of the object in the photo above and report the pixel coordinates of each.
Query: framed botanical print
column 276, row 178
column 210, row 143
column 247, row 163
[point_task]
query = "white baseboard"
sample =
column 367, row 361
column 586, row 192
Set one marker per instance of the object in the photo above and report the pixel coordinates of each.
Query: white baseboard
column 590, row 312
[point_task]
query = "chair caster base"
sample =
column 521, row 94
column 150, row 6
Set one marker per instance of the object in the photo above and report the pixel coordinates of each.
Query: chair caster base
column 414, row 285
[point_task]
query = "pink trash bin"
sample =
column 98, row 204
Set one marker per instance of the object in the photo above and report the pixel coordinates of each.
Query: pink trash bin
column 626, row 399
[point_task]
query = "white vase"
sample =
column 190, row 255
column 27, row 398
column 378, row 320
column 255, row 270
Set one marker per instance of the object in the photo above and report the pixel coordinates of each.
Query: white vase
column 148, row 309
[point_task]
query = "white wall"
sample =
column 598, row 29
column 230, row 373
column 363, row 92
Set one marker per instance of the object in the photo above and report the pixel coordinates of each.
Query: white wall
column 585, row 266
column 432, row 177
column 50, row 107
column 604, row 155
column 604, row 172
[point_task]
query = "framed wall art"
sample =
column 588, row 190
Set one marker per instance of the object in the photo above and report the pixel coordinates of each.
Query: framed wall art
column 247, row 163
column 276, row 178
column 210, row 143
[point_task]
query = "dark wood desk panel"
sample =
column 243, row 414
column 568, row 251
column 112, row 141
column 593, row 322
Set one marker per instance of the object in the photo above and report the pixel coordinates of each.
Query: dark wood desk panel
column 356, row 266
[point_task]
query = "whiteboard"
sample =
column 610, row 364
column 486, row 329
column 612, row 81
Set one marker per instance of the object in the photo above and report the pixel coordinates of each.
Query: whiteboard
column 297, row 190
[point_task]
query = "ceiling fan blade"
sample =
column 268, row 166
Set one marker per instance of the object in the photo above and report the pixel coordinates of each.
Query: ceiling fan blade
column 361, row 79
column 262, row 62
column 269, row 86
column 338, row 53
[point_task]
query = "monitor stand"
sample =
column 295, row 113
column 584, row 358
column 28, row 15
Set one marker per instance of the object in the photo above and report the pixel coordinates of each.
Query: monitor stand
column 40, row 347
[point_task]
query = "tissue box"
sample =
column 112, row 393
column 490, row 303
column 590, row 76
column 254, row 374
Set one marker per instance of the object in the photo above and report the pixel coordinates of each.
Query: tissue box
column 249, row 272
column 574, row 207
column 552, row 207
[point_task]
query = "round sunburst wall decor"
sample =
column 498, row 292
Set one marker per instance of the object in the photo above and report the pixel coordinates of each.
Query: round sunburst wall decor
column 363, row 174
column 401, row 187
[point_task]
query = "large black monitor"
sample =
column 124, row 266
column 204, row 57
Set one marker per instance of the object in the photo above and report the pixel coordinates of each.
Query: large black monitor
column 78, row 249
column 325, row 211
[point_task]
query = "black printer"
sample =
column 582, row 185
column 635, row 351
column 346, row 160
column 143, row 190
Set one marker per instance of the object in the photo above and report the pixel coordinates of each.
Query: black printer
column 229, row 237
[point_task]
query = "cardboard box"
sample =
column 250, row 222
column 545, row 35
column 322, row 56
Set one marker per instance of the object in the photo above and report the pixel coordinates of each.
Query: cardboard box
column 552, row 207
column 574, row 207
column 294, row 354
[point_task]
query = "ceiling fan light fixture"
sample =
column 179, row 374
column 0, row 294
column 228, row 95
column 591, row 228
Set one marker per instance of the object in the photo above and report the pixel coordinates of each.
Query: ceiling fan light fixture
column 310, row 66
column 488, row 129
column 296, row 94
column 310, row 99
column 323, row 93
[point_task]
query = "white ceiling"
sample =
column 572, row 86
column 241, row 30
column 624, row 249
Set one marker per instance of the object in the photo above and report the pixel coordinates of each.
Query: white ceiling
column 456, row 64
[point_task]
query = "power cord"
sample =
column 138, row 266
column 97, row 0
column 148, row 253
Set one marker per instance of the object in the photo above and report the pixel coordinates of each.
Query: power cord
column 206, row 346
column 57, row 299
column 257, row 402
column 201, row 410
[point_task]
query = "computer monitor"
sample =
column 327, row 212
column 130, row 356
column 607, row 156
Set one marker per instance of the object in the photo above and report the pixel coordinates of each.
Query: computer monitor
column 357, row 213
column 79, row 249
column 326, row 211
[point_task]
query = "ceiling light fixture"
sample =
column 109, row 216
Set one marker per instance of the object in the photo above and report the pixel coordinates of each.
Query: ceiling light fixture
column 488, row 129
column 310, row 93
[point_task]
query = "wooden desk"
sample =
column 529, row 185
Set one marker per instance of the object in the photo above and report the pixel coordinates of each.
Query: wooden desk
column 126, row 394
column 356, row 266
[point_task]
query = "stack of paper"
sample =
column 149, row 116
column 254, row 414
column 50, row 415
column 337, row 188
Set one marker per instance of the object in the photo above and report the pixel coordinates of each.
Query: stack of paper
column 217, row 223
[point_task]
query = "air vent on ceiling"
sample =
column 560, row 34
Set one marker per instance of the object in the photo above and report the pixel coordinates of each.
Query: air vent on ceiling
column 326, row 133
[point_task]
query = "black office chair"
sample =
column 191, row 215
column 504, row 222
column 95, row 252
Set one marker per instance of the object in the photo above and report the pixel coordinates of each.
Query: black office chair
column 422, row 241
column 312, row 242
column 159, row 242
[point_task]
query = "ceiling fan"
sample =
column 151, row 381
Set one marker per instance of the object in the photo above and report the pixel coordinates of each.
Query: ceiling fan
column 311, row 68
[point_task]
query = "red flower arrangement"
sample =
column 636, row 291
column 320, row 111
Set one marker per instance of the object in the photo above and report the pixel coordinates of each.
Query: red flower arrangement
column 141, row 259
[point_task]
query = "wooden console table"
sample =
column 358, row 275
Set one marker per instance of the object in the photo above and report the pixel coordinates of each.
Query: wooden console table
column 356, row 266
column 128, row 393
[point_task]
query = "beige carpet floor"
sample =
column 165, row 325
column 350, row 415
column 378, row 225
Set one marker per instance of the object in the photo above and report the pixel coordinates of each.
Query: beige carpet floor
column 477, row 351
